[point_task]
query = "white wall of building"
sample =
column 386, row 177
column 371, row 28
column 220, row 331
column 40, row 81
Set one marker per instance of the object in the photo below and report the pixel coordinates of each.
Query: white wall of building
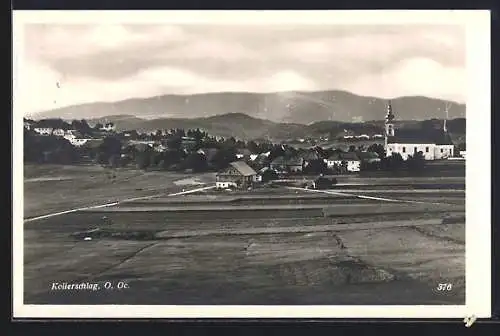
column 428, row 150
column 352, row 166
column 224, row 185
column 43, row 131
column 443, row 151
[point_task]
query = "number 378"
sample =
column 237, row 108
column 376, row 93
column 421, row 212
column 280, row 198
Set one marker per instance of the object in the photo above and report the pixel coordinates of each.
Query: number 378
column 442, row 287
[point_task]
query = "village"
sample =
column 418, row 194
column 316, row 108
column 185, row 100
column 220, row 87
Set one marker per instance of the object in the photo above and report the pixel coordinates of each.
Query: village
column 238, row 164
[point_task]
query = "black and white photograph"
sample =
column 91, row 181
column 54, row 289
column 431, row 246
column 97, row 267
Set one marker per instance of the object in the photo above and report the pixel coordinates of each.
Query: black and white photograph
column 252, row 159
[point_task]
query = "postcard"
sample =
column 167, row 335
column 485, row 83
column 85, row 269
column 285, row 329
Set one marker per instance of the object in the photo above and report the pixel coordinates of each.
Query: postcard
column 251, row 164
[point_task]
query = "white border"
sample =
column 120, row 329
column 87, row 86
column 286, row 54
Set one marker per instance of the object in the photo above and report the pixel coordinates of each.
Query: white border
column 478, row 255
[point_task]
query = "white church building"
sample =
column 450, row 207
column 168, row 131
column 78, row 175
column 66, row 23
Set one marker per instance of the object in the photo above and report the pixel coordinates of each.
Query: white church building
column 434, row 145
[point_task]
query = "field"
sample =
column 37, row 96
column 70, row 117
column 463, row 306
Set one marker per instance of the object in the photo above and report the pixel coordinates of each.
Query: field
column 368, row 241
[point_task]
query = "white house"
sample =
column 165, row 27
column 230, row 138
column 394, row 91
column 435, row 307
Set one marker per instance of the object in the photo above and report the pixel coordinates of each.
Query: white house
column 43, row 130
column 350, row 159
column 58, row 132
column 434, row 145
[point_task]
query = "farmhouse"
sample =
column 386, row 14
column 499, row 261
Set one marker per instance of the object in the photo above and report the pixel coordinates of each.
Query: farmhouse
column 238, row 175
column 349, row 160
column 434, row 145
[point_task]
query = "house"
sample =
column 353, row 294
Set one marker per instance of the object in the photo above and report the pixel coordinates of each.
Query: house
column 309, row 155
column 434, row 145
column 238, row 175
column 261, row 160
column 368, row 157
column 58, row 132
column 188, row 143
column 462, row 154
column 349, row 160
column 282, row 164
column 243, row 153
column 43, row 130
column 108, row 127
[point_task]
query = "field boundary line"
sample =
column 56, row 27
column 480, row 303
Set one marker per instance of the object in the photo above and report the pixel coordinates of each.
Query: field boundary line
column 368, row 197
column 54, row 214
column 379, row 225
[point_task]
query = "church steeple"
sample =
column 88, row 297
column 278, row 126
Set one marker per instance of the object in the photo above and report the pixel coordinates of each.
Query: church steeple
column 445, row 129
column 389, row 117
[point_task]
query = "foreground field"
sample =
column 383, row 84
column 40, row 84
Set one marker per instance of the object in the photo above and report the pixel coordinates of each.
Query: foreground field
column 276, row 246
column 50, row 188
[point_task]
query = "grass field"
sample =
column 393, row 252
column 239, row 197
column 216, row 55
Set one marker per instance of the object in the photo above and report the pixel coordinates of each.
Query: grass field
column 368, row 241
column 49, row 188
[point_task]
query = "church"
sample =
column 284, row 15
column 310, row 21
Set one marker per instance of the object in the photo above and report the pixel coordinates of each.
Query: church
column 434, row 145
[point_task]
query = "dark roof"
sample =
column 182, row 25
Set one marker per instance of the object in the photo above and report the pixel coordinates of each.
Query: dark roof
column 310, row 155
column 367, row 155
column 295, row 161
column 349, row 156
column 244, row 151
column 280, row 160
column 411, row 136
column 243, row 168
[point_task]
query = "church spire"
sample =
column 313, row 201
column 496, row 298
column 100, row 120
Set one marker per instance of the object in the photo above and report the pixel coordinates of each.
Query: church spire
column 445, row 129
column 389, row 117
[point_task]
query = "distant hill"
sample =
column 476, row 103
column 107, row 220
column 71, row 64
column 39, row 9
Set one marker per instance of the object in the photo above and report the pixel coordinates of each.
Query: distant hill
column 281, row 107
column 242, row 126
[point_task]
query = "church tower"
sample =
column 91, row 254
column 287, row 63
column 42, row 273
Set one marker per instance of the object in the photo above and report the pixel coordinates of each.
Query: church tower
column 389, row 125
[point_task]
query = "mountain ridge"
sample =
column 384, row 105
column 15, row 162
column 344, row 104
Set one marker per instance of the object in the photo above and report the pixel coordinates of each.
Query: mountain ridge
column 295, row 107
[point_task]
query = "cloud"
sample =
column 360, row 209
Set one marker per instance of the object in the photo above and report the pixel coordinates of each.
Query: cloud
column 114, row 62
column 416, row 76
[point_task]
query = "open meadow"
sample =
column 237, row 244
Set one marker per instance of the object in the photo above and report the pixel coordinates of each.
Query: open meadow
column 367, row 241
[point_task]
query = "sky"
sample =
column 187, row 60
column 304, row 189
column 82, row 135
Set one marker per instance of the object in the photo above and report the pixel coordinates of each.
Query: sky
column 65, row 64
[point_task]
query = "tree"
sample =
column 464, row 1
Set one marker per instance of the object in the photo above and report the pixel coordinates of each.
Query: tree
column 143, row 160
column 317, row 166
column 195, row 161
column 352, row 148
column 269, row 175
column 394, row 162
column 110, row 146
column 98, row 126
column 174, row 142
column 416, row 162
column 377, row 148
column 253, row 147
column 223, row 157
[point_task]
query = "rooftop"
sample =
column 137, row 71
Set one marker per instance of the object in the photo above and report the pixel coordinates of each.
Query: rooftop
column 243, row 168
column 410, row 136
